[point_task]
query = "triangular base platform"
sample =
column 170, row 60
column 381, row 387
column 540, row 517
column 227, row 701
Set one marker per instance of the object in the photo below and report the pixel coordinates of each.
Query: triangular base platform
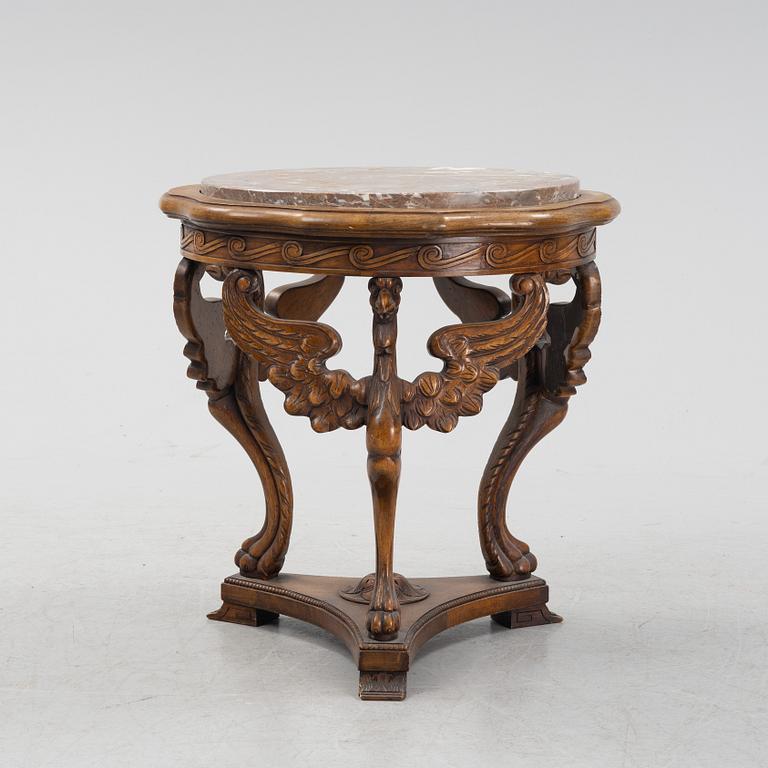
column 384, row 665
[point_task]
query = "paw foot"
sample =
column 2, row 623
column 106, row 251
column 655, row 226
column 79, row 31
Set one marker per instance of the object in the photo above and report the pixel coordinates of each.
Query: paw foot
column 525, row 565
column 257, row 560
column 383, row 625
column 245, row 562
column 514, row 562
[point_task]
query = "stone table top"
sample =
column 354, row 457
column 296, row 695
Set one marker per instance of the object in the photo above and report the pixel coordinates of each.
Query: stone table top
column 379, row 187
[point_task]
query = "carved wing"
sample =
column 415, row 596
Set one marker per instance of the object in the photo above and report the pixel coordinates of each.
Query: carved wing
column 294, row 354
column 474, row 354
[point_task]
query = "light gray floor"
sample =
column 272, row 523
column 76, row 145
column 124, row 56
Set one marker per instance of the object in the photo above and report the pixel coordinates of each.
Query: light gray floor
column 122, row 502
column 661, row 661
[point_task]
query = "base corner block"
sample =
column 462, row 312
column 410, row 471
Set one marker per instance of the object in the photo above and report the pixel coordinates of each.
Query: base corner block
column 528, row 617
column 382, row 686
column 241, row 614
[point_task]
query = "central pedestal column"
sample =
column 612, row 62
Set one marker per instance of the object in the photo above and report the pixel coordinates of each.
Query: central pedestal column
column 383, row 438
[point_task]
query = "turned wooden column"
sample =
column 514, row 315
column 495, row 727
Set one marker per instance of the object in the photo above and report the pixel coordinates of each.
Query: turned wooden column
column 453, row 226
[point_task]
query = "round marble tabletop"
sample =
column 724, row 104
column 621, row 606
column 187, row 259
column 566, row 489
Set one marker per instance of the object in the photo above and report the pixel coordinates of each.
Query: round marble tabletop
column 396, row 188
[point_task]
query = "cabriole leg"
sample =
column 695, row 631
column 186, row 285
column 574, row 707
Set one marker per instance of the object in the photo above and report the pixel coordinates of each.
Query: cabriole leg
column 232, row 383
column 547, row 378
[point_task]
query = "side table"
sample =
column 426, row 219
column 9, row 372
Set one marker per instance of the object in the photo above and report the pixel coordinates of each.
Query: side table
column 387, row 223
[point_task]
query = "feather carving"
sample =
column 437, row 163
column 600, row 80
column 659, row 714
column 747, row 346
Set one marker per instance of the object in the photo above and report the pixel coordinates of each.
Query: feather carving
column 294, row 353
column 474, row 354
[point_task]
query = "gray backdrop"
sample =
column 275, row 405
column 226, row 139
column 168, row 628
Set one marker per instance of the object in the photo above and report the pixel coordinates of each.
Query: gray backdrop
column 122, row 501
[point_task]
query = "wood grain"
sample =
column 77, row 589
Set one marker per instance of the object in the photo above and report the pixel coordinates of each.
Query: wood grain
column 305, row 300
column 547, row 378
column 434, row 257
column 293, row 353
column 245, row 337
column 231, row 382
column 384, row 663
column 383, row 440
column 474, row 355
column 590, row 209
column 472, row 302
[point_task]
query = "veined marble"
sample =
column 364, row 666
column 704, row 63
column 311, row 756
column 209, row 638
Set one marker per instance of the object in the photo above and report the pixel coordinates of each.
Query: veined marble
column 380, row 187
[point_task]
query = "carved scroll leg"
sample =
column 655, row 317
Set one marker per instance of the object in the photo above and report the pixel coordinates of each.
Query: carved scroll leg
column 244, row 416
column 231, row 381
column 533, row 415
column 547, row 378
column 383, row 440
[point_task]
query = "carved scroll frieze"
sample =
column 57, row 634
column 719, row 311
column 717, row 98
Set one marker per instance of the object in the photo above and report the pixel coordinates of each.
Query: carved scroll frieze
column 436, row 257
column 549, row 251
column 364, row 257
column 295, row 254
column 462, row 257
column 196, row 242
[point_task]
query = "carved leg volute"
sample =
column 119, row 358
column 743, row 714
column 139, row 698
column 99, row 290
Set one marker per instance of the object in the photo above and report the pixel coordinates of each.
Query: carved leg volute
column 232, row 383
column 547, row 378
